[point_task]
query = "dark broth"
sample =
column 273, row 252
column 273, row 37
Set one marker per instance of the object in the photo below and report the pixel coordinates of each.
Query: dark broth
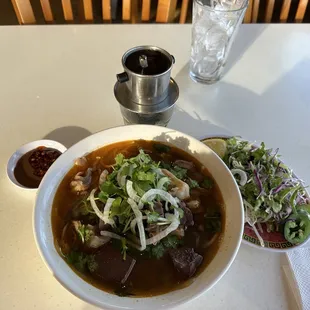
column 150, row 276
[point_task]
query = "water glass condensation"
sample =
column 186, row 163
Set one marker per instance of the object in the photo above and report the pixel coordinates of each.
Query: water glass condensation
column 215, row 24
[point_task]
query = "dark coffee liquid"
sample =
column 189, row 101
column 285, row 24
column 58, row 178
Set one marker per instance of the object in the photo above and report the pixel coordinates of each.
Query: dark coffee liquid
column 157, row 62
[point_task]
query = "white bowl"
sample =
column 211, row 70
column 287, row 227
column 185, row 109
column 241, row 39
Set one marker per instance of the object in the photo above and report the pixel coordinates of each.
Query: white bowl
column 211, row 275
column 25, row 149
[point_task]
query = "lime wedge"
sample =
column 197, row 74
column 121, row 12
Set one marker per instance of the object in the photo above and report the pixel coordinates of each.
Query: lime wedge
column 219, row 146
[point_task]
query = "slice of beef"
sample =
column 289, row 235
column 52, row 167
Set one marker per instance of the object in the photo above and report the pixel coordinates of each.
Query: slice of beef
column 152, row 229
column 187, row 219
column 186, row 261
column 195, row 175
column 110, row 264
column 158, row 207
column 184, row 164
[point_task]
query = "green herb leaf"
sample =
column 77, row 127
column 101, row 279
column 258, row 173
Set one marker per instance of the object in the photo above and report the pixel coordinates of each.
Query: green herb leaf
column 259, row 153
column 145, row 176
column 120, row 208
column 171, row 241
column 79, row 260
column 152, row 217
column 91, row 263
column 124, row 248
column 275, row 206
column 119, row 158
column 83, row 231
column 157, row 251
column 284, row 193
column 110, row 189
column 192, row 183
column 82, row 208
column 161, row 148
column 179, row 172
column 117, row 202
column 207, row 183
column 103, row 197
column 141, row 187
column 213, row 223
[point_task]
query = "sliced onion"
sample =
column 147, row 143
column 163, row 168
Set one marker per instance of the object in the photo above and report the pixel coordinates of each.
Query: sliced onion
column 162, row 182
column 119, row 178
column 138, row 216
column 101, row 215
column 106, row 212
column 123, row 181
column 134, row 223
column 131, row 192
column 172, row 227
column 242, row 174
column 152, row 193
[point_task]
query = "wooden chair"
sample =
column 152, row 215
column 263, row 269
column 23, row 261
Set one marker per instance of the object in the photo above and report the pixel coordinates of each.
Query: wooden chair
column 25, row 14
column 251, row 15
column 167, row 11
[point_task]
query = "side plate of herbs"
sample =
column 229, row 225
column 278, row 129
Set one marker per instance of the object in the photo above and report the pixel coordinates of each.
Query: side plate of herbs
column 276, row 202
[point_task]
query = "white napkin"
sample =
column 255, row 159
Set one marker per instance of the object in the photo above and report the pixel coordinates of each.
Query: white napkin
column 300, row 263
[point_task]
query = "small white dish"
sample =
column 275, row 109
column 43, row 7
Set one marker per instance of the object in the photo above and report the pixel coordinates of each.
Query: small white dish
column 234, row 219
column 25, row 149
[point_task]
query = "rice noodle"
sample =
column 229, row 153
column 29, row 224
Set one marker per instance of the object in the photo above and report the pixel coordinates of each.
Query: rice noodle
column 133, row 262
column 110, row 234
column 138, row 216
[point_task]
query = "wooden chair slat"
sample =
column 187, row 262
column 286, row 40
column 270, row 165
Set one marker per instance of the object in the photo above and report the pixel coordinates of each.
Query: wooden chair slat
column 301, row 10
column 248, row 13
column 106, row 10
column 269, row 10
column 47, row 11
column 130, row 11
column 23, row 11
column 126, row 14
column 67, row 10
column 255, row 11
column 166, row 11
column 88, row 10
column 146, row 10
column 285, row 10
column 184, row 9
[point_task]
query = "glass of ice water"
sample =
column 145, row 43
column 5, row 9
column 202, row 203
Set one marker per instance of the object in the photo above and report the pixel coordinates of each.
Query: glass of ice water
column 215, row 23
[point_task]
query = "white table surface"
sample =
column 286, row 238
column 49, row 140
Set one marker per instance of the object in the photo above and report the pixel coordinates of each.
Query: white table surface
column 57, row 82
